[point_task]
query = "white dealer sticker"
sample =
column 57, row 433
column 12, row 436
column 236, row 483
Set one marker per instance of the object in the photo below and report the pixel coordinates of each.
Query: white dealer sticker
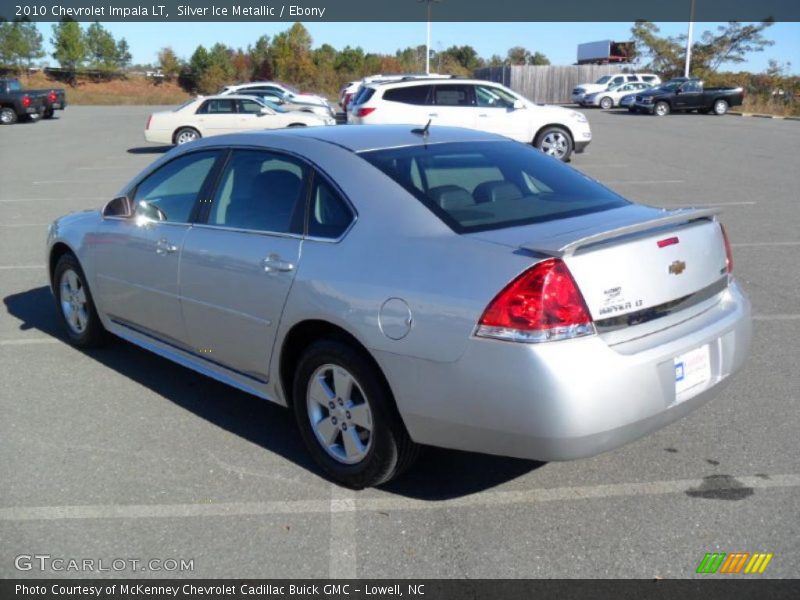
column 692, row 372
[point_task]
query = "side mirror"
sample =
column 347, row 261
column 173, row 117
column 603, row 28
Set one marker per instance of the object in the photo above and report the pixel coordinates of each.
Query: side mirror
column 518, row 104
column 264, row 111
column 118, row 207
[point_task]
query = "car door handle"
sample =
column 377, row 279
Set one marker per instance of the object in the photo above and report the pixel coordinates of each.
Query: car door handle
column 433, row 114
column 163, row 247
column 275, row 264
column 483, row 115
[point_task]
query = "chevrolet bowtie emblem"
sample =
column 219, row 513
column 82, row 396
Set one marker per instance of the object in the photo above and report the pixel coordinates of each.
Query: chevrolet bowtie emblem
column 677, row 267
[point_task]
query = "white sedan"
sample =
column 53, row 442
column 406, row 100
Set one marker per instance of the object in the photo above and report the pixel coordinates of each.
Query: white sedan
column 216, row 115
column 610, row 98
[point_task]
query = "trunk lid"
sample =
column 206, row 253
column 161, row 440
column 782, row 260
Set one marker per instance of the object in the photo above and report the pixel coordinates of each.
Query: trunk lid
column 629, row 259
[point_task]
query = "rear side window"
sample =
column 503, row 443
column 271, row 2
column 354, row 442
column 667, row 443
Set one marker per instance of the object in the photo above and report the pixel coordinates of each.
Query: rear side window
column 329, row 216
column 260, row 191
column 217, row 106
column 648, row 78
column 480, row 186
column 632, row 78
column 452, row 95
column 415, row 94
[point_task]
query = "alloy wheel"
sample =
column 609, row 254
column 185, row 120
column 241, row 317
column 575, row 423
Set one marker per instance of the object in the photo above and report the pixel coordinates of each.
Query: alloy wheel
column 73, row 301
column 555, row 144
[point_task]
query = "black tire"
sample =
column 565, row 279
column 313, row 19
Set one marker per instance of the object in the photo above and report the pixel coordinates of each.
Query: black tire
column 720, row 107
column 48, row 113
column 391, row 451
column 661, row 109
column 183, row 134
column 93, row 334
column 8, row 116
column 606, row 103
column 296, row 125
column 541, row 138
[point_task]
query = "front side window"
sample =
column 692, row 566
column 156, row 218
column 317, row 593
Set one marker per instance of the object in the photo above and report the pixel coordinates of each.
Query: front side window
column 491, row 185
column 451, row 95
column 249, row 107
column 617, row 81
column 492, row 97
column 691, row 87
column 218, row 106
column 329, row 216
column 260, row 191
column 170, row 193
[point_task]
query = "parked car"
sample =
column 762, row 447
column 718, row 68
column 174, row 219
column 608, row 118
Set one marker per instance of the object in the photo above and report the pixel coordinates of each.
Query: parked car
column 607, row 82
column 476, row 104
column 610, row 98
column 54, row 98
column 324, row 112
column 627, row 101
column 386, row 78
column 684, row 95
column 396, row 287
column 16, row 104
column 216, row 115
column 347, row 92
column 283, row 91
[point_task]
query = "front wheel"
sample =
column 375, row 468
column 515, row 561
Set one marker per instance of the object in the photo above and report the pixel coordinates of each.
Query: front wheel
column 75, row 304
column 720, row 107
column 606, row 103
column 555, row 142
column 184, row 135
column 347, row 416
column 8, row 116
column 661, row 109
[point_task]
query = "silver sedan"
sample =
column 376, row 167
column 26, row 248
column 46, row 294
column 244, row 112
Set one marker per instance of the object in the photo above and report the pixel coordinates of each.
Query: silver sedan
column 397, row 287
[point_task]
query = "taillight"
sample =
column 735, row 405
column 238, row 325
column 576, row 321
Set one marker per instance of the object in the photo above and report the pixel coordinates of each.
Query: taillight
column 363, row 112
column 542, row 304
column 52, row 96
column 26, row 101
column 147, row 125
column 728, row 251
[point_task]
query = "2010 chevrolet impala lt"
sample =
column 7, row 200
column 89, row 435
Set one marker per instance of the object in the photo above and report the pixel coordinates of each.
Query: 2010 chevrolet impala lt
column 398, row 286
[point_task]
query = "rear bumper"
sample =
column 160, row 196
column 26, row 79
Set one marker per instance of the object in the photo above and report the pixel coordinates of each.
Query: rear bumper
column 565, row 400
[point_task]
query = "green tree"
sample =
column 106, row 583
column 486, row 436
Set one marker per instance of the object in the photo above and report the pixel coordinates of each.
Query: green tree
column 518, row 56
column 69, row 46
column 537, row 58
column 495, row 61
column 465, row 56
column 123, row 54
column 169, row 63
column 199, row 62
column 20, row 44
column 261, row 58
column 349, row 61
column 292, row 55
column 101, row 48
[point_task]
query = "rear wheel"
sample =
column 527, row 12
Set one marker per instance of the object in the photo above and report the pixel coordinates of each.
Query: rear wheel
column 720, row 107
column 606, row 103
column 8, row 116
column 48, row 113
column 184, row 135
column 347, row 416
column 75, row 304
column 554, row 141
column 661, row 109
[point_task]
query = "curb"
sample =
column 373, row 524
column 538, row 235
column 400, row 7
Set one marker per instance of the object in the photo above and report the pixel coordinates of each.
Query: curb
column 762, row 116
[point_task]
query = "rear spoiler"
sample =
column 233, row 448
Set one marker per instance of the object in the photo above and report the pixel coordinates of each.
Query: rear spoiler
column 560, row 246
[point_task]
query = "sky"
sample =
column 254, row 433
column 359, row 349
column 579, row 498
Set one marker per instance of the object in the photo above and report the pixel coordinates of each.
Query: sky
column 558, row 41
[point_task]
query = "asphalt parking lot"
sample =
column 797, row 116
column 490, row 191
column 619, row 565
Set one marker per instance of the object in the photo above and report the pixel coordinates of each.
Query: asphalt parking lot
column 117, row 453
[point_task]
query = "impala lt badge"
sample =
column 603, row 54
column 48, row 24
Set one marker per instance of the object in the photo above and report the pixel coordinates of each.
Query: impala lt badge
column 677, row 267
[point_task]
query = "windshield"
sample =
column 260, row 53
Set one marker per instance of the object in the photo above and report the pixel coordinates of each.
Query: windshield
column 492, row 185
column 604, row 79
column 273, row 106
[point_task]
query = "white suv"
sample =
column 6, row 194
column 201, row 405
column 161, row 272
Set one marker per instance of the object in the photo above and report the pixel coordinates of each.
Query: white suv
column 606, row 82
column 474, row 104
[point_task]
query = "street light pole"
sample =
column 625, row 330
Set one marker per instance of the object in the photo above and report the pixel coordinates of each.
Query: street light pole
column 687, row 66
column 428, row 38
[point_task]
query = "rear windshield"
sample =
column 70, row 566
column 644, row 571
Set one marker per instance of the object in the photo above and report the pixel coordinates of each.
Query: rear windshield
column 492, row 185
column 364, row 94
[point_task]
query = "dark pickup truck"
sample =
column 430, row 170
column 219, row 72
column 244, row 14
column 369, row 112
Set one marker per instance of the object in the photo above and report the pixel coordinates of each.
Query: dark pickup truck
column 54, row 98
column 17, row 105
column 684, row 95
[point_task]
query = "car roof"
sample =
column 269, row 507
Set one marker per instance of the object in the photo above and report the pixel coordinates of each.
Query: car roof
column 443, row 80
column 360, row 138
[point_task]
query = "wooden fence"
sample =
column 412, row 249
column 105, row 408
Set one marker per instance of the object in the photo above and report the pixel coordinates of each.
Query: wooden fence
column 551, row 84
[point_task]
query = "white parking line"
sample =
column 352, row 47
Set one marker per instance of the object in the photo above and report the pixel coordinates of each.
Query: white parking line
column 342, row 548
column 387, row 503
column 763, row 244
column 30, row 341
column 776, row 317
column 643, row 181
column 12, row 267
